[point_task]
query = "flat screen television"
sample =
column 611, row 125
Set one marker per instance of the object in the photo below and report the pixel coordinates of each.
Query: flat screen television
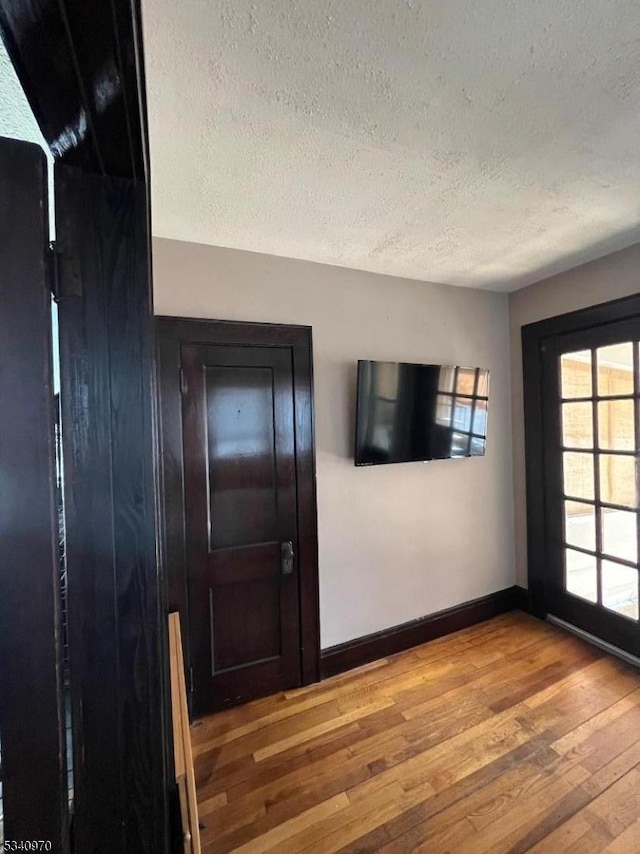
column 409, row 413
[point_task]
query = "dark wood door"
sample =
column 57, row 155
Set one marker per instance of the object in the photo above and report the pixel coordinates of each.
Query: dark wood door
column 591, row 436
column 241, row 521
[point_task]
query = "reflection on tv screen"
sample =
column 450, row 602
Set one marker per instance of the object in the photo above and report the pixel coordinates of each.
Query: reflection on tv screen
column 408, row 412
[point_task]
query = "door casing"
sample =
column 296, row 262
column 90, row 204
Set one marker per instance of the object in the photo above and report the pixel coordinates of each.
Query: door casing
column 172, row 333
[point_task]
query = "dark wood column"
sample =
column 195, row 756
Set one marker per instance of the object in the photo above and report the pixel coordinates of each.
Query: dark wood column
column 31, row 709
column 106, row 339
column 81, row 66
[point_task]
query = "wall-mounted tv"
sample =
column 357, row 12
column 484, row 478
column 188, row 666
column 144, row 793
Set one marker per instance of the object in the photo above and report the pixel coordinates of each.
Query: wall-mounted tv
column 409, row 413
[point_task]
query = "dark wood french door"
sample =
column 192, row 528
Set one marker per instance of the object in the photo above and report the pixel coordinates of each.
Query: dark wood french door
column 249, row 530
column 591, row 439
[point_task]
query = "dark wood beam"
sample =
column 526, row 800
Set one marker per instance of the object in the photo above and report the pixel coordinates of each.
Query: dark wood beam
column 80, row 65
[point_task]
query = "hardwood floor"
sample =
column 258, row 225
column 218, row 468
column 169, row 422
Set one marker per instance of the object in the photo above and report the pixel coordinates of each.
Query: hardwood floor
column 511, row 736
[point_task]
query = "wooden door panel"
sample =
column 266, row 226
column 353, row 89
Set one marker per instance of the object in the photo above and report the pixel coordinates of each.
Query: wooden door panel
column 233, row 685
column 246, row 582
column 254, row 638
column 260, row 561
column 241, row 445
column 241, row 506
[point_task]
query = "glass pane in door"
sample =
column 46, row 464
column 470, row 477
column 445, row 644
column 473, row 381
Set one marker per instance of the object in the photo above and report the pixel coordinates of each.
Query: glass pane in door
column 577, row 425
column 618, row 479
column 581, row 575
column 575, row 375
column 620, row 589
column 616, row 425
column 620, row 534
column 578, row 475
column 615, row 369
column 580, row 525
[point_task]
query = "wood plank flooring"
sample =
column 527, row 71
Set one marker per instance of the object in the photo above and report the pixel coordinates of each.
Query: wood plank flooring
column 511, row 736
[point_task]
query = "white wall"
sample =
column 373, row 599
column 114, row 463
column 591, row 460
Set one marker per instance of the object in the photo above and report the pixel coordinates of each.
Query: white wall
column 609, row 278
column 396, row 542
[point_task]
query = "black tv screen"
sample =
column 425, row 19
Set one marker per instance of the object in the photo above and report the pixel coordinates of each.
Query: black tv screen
column 407, row 413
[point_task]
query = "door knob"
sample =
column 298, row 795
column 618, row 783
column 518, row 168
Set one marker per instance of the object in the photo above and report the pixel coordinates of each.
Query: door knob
column 286, row 557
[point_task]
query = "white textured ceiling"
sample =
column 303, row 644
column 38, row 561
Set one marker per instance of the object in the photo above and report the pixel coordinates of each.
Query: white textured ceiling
column 16, row 119
column 485, row 144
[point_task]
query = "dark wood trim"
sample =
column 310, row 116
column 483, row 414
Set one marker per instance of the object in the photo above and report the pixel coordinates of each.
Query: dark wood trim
column 116, row 642
column 80, row 67
column 345, row 656
column 522, row 599
column 172, row 332
column 534, row 469
column 534, row 341
column 31, row 705
column 586, row 318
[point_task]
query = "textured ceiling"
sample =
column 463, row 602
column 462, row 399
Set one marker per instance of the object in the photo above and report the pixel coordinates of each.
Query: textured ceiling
column 16, row 119
column 473, row 143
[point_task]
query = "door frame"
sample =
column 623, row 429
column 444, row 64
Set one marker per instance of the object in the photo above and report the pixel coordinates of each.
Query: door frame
column 534, row 337
column 171, row 333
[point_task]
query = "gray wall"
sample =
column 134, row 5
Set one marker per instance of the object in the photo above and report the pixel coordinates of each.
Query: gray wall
column 609, row 278
column 396, row 542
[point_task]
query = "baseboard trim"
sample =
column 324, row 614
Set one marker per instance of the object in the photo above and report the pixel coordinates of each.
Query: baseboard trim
column 346, row 656
column 522, row 599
